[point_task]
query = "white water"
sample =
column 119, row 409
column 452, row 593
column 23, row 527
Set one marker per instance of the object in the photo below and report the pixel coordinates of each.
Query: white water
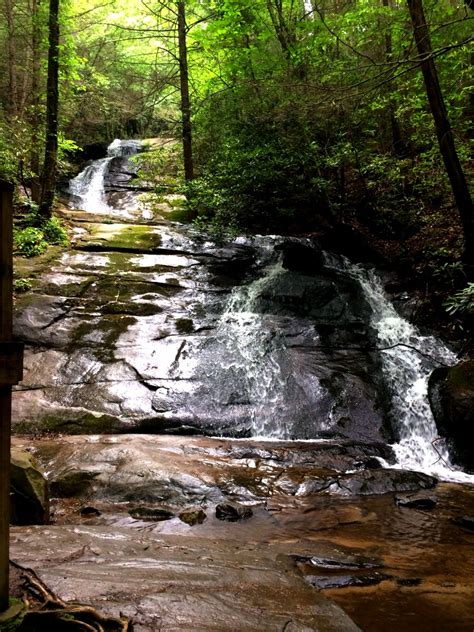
column 255, row 347
column 408, row 358
column 88, row 186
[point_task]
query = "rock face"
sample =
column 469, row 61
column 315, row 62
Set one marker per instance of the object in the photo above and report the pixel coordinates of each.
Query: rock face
column 171, row 583
column 145, row 326
column 232, row 512
column 29, row 500
column 148, row 328
column 313, row 506
column 452, row 402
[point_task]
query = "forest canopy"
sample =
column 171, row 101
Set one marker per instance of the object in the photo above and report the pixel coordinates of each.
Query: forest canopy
column 299, row 111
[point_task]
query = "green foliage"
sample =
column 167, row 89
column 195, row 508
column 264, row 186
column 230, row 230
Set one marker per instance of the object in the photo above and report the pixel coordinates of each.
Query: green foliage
column 33, row 239
column 54, row 232
column 462, row 302
column 259, row 181
column 160, row 165
column 30, row 242
column 20, row 286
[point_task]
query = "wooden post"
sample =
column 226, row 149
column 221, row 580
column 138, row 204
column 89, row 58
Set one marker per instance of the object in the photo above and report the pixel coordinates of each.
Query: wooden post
column 11, row 368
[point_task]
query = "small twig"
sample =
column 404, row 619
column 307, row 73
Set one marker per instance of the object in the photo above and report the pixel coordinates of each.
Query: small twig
column 440, row 456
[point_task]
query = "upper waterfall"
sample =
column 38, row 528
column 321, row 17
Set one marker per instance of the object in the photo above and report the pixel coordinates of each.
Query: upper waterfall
column 87, row 188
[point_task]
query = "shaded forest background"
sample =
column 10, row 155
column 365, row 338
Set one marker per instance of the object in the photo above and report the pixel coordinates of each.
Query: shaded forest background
column 304, row 116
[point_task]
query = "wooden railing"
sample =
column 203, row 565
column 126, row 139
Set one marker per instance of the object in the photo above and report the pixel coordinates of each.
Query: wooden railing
column 11, row 370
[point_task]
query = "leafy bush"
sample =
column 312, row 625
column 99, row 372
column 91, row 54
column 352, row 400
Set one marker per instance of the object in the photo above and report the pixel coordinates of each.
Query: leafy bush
column 38, row 232
column 259, row 180
column 30, row 242
column 21, row 285
column 462, row 302
column 54, row 232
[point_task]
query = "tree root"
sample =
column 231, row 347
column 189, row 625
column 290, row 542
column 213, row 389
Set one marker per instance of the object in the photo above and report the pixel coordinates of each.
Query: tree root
column 46, row 611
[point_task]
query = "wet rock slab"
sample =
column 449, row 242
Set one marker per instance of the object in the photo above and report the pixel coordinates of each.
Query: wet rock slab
column 173, row 583
column 131, row 327
column 410, row 568
column 183, row 470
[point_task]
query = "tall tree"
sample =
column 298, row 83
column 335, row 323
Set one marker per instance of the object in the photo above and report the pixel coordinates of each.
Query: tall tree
column 35, row 101
column 184, row 91
column 444, row 132
column 50, row 166
column 8, row 9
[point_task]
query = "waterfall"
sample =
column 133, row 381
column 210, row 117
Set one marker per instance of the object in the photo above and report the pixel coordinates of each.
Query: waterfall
column 408, row 358
column 87, row 188
column 264, row 370
column 249, row 343
column 257, row 353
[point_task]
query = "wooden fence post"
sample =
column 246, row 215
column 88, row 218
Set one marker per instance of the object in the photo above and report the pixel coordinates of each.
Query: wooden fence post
column 11, row 370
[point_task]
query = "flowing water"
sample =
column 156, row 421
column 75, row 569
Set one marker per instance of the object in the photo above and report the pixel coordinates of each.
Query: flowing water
column 87, row 188
column 408, row 358
column 253, row 347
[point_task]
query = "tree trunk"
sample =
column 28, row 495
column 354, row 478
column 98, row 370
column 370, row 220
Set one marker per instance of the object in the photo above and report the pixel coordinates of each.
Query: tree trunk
column 184, row 89
column 11, row 59
column 444, row 132
column 52, row 99
column 11, row 370
column 35, row 102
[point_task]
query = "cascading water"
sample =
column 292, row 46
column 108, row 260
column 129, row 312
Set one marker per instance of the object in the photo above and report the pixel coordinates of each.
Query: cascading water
column 264, row 367
column 249, row 343
column 408, row 358
column 87, row 188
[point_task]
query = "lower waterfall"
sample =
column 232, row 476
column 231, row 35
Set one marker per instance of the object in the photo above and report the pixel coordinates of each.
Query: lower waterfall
column 408, row 358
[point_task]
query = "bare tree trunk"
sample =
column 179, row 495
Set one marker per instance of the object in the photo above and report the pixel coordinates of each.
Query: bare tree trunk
column 444, row 132
column 184, row 89
column 35, row 102
column 52, row 101
column 11, row 56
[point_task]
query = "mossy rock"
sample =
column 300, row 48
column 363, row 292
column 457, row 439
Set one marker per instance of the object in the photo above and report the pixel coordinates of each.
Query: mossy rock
column 193, row 516
column 70, row 421
column 451, row 392
column 121, row 237
column 29, row 496
column 72, row 484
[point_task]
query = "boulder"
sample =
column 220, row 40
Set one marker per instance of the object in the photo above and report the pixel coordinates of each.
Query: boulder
column 466, row 522
column 299, row 257
column 193, row 516
column 416, row 501
column 375, row 482
column 151, row 514
column 232, row 512
column 29, row 495
column 451, row 393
